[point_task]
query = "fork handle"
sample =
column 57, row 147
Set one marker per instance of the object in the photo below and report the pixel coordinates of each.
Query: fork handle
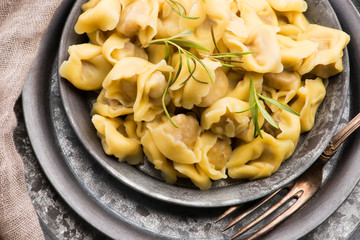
column 339, row 138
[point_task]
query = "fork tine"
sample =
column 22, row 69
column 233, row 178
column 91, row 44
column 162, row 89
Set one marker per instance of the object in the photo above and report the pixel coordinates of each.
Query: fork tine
column 300, row 202
column 250, row 210
column 287, row 197
column 227, row 212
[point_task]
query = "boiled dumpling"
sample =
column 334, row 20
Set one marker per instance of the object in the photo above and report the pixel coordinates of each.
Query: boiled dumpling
column 109, row 107
column 187, row 92
column 98, row 14
column 327, row 60
column 139, row 18
column 309, row 98
column 117, row 47
column 177, row 144
column 114, row 140
column 222, row 118
column 157, row 158
column 86, row 67
column 213, row 152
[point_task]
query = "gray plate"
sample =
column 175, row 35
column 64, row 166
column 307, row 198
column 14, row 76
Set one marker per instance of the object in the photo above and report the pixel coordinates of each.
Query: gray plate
column 123, row 213
column 147, row 180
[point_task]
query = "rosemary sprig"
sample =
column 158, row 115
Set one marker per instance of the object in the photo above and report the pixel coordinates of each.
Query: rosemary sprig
column 169, row 83
column 181, row 44
column 179, row 9
column 256, row 106
column 222, row 57
column 213, row 38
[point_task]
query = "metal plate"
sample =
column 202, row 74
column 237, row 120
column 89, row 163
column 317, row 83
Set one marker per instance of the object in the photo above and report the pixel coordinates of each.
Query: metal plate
column 122, row 213
column 147, row 180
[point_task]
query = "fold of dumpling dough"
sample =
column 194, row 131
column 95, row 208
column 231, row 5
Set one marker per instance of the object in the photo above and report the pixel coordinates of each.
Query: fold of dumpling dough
column 327, row 60
column 236, row 28
column 294, row 52
column 151, row 85
column 259, row 158
column 134, row 129
column 241, row 90
column 213, row 152
column 115, row 142
column 86, row 67
column 261, row 40
column 177, row 144
column 263, row 156
column 222, row 118
column 286, row 80
column 98, row 37
column 139, row 18
column 309, row 97
column 117, row 47
column 157, row 158
column 109, row 107
column 103, row 15
column 195, row 173
column 294, row 18
column 256, row 11
column 288, row 5
column 136, row 83
column 187, row 92
column 218, row 18
column 169, row 23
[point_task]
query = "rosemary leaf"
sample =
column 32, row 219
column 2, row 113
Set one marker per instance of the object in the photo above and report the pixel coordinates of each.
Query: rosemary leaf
column 182, row 34
column 254, row 97
column 265, row 114
column 248, row 109
column 279, row 104
column 213, row 39
column 167, row 52
column 254, row 110
column 179, row 69
column 189, row 43
column 227, row 60
column 163, row 101
column 203, row 64
column 191, row 71
column 175, row 6
column 230, row 65
column 226, row 55
column 256, row 124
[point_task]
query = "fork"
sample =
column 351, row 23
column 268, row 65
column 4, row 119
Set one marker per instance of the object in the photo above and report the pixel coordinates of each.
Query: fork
column 300, row 190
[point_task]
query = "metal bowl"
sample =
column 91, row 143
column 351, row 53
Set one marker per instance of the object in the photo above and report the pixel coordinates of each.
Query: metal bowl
column 148, row 180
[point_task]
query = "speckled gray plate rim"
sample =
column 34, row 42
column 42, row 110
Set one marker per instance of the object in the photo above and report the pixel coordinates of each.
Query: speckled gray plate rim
column 147, row 180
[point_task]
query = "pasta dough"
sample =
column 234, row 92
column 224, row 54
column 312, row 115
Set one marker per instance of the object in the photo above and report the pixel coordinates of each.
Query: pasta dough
column 191, row 84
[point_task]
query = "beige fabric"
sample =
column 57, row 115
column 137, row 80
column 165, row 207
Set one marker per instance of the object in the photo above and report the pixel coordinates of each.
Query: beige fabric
column 21, row 25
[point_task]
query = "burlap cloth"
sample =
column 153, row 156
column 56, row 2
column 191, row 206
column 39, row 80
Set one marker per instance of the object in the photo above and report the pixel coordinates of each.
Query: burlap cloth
column 22, row 23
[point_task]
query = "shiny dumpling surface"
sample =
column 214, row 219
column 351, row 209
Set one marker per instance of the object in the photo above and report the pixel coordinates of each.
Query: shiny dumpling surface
column 188, row 108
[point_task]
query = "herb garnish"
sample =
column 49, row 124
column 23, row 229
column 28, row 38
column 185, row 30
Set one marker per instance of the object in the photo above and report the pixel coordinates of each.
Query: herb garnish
column 256, row 106
column 179, row 9
column 181, row 44
column 223, row 57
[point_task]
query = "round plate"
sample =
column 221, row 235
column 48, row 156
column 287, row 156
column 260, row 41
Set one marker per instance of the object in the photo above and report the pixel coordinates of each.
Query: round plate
column 122, row 213
column 147, row 180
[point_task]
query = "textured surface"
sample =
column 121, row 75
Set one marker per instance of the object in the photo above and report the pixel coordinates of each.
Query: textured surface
column 19, row 40
column 65, row 224
column 308, row 148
